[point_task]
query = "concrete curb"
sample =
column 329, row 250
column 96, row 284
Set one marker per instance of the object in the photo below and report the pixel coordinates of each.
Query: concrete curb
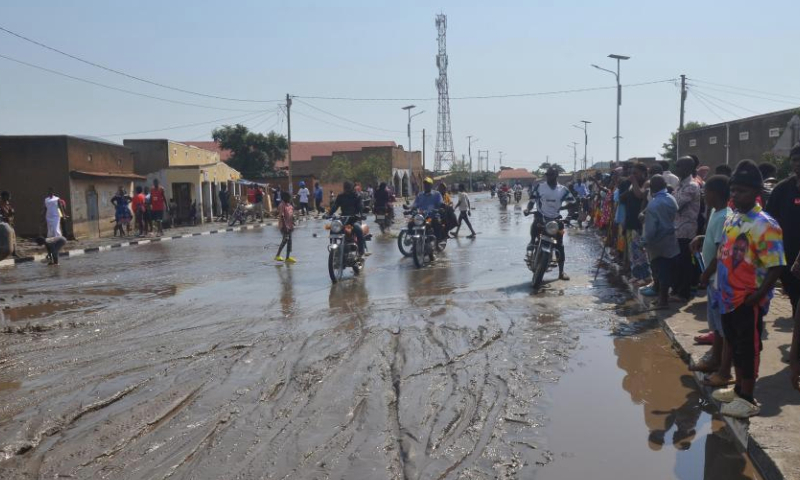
column 11, row 262
column 739, row 428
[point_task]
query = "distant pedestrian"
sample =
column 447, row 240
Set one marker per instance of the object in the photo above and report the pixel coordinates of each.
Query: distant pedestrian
column 148, row 212
column 748, row 263
column 318, row 194
column 277, row 196
column 53, row 245
column 224, row 201
column 723, row 170
column 303, row 195
column 122, row 212
column 659, row 239
column 158, row 203
column 465, row 210
column 286, row 226
column 139, row 209
column 52, row 213
column 6, row 209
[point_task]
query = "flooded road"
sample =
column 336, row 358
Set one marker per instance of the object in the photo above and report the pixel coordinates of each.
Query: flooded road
column 203, row 358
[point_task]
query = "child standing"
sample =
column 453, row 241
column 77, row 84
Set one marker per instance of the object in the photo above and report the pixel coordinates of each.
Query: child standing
column 749, row 262
column 716, row 196
column 286, row 225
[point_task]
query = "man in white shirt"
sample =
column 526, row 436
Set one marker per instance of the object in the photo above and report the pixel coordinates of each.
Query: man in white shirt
column 303, row 193
column 464, row 208
column 548, row 197
column 52, row 214
column 672, row 180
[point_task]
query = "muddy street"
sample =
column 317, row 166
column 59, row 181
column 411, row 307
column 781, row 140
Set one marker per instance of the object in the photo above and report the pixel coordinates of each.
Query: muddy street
column 203, row 358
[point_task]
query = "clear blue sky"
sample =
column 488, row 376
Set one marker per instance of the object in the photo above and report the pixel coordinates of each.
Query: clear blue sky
column 263, row 50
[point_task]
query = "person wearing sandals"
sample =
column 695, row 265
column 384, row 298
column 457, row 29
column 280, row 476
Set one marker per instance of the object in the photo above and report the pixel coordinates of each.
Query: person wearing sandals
column 719, row 364
column 749, row 261
column 659, row 237
column 286, row 226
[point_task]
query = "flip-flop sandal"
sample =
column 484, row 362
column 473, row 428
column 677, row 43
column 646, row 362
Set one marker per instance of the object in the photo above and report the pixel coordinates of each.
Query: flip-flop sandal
column 717, row 380
column 706, row 339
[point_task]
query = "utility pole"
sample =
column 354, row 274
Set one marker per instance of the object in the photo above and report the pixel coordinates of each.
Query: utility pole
column 423, row 151
column 574, row 147
column 683, row 111
column 289, row 135
column 501, row 160
column 469, row 150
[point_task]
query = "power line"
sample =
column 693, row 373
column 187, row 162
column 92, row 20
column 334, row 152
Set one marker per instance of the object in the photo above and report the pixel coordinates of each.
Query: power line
column 747, row 95
column 709, row 96
column 348, row 120
column 747, row 89
column 177, row 127
column 484, row 97
column 128, row 75
column 130, row 92
column 704, row 97
column 702, row 102
column 337, row 125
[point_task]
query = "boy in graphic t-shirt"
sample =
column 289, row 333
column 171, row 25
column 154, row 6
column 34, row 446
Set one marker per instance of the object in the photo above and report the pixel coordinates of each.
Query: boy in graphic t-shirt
column 748, row 263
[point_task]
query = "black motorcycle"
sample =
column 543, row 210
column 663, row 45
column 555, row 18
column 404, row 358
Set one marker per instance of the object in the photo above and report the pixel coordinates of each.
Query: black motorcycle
column 517, row 196
column 543, row 251
column 343, row 247
column 503, row 196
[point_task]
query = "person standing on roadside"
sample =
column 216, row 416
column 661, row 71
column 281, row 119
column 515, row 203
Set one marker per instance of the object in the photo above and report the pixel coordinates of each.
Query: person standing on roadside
column 318, row 194
column 465, row 211
column 303, row 195
column 794, row 349
column 784, row 206
column 138, row 206
column 749, row 262
column 659, row 238
column 286, row 226
column 158, row 203
column 224, row 201
column 6, row 209
column 52, row 213
column 671, row 179
column 688, row 197
column 122, row 213
column 719, row 365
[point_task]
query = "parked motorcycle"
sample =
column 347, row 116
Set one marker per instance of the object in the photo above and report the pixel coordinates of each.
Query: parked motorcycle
column 343, row 247
column 542, row 252
column 241, row 213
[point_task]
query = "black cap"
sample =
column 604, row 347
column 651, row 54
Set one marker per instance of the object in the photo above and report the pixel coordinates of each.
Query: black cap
column 748, row 175
column 551, row 171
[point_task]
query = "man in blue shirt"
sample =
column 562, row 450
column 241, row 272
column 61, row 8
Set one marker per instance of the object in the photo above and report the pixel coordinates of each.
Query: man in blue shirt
column 318, row 198
column 660, row 240
column 428, row 201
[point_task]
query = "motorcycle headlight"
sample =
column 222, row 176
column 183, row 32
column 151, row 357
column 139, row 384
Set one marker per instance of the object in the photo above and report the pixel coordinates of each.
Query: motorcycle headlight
column 336, row 226
column 551, row 228
column 419, row 220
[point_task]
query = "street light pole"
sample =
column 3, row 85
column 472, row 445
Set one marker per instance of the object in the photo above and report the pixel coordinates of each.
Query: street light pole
column 619, row 92
column 469, row 150
column 408, row 108
column 574, row 147
column 585, row 139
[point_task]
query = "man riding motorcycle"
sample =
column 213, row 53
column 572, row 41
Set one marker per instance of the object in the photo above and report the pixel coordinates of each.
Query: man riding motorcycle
column 548, row 198
column 428, row 201
column 350, row 204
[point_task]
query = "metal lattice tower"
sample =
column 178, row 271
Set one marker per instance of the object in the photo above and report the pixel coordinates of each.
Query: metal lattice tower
column 444, row 136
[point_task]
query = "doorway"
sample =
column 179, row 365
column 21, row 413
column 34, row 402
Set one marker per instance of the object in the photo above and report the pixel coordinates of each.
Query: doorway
column 92, row 213
column 182, row 194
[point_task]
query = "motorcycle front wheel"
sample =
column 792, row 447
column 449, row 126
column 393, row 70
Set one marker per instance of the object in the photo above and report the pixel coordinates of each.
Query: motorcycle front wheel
column 542, row 262
column 336, row 264
column 418, row 252
column 406, row 250
column 232, row 219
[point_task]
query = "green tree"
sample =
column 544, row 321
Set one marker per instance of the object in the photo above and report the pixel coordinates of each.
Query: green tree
column 253, row 154
column 372, row 170
column 669, row 148
column 339, row 170
column 543, row 167
column 783, row 164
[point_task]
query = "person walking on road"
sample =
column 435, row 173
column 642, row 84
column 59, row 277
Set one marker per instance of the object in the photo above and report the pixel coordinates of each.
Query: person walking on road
column 52, row 212
column 303, row 195
column 465, row 211
column 158, row 203
column 318, row 198
column 286, row 226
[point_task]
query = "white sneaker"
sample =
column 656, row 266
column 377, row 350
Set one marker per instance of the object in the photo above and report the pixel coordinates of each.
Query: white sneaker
column 724, row 395
column 740, row 408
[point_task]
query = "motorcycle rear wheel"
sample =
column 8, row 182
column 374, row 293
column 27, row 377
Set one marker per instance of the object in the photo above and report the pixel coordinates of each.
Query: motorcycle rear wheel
column 335, row 265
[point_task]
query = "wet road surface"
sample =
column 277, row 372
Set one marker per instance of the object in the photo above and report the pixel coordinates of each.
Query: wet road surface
column 203, row 358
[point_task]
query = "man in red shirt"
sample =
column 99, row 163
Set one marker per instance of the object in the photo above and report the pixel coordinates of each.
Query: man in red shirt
column 158, row 203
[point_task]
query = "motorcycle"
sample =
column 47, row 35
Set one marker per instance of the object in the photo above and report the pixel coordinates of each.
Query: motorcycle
column 384, row 217
column 542, row 252
column 517, row 196
column 241, row 213
column 424, row 244
column 493, row 193
column 343, row 247
column 503, row 196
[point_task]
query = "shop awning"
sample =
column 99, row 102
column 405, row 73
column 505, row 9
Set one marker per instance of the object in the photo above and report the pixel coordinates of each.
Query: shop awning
column 126, row 176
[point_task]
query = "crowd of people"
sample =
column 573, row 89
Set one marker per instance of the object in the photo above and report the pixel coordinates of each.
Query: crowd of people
column 732, row 234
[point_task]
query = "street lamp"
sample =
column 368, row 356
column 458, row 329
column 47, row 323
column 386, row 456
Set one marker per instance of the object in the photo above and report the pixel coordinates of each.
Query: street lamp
column 585, row 139
column 410, row 169
column 469, row 150
column 574, row 148
column 618, row 58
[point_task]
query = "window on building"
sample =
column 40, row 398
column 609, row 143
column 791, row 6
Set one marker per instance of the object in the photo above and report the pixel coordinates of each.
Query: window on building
column 712, row 140
column 89, row 158
column 693, row 142
column 744, row 136
column 175, row 151
column 186, row 153
column 774, row 132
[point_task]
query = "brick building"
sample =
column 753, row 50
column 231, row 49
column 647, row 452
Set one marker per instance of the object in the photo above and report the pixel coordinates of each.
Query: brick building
column 747, row 138
column 85, row 172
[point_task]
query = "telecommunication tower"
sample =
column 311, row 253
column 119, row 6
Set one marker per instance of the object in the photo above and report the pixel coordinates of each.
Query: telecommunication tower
column 444, row 136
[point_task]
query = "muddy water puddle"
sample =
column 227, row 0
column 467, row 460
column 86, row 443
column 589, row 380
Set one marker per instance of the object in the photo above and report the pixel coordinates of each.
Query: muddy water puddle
column 43, row 310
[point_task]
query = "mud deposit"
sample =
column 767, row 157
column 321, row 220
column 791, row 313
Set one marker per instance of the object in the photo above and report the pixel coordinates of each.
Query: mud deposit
column 204, row 359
